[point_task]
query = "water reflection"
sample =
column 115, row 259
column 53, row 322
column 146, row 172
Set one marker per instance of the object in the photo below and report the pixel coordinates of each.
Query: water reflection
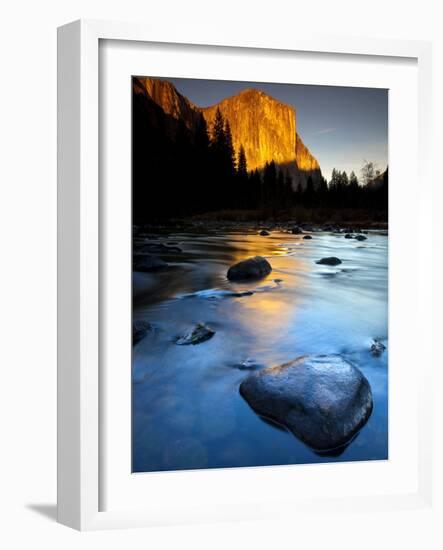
column 187, row 412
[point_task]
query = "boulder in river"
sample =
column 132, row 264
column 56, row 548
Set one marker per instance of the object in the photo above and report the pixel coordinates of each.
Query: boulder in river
column 322, row 399
column 307, row 237
column 200, row 333
column 252, row 268
column 348, row 236
column 332, row 260
column 140, row 329
column 143, row 262
column 377, row 348
column 296, row 230
column 360, row 237
column 264, row 233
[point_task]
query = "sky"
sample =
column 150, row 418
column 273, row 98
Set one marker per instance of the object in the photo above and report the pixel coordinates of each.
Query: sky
column 342, row 127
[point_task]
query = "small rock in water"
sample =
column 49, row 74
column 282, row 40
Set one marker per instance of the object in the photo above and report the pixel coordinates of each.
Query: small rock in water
column 252, row 268
column 248, row 364
column 199, row 334
column 142, row 262
column 360, row 238
column 322, row 399
column 140, row 329
column 377, row 348
column 348, row 236
column 332, row 260
column 264, row 233
column 307, row 237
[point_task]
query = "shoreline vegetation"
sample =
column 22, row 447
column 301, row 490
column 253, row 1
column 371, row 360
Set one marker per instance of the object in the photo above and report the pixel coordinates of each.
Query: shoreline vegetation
column 257, row 221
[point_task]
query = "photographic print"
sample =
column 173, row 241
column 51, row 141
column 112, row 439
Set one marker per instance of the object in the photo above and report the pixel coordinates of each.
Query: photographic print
column 259, row 274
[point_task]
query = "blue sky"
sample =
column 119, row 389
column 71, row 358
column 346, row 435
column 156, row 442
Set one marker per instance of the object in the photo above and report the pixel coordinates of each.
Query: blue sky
column 341, row 126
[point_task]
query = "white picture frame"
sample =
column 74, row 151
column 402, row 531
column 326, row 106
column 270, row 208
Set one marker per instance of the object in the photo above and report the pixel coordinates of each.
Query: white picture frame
column 80, row 445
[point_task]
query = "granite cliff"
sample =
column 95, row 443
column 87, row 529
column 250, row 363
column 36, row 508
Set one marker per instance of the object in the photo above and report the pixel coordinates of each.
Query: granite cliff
column 265, row 127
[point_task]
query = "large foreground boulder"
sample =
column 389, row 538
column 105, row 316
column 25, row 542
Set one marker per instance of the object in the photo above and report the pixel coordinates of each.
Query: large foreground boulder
column 252, row 268
column 323, row 399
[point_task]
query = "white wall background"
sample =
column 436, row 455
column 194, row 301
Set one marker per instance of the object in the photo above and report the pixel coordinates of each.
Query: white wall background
column 28, row 272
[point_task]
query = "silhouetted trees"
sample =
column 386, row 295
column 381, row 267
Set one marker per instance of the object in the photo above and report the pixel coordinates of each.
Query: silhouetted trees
column 178, row 171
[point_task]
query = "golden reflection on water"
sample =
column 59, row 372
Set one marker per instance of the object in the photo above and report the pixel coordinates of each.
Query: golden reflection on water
column 271, row 310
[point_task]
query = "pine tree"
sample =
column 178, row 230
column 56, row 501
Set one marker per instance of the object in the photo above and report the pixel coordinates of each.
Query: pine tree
column 229, row 150
column 218, row 131
column 242, row 166
column 280, row 190
column 242, row 179
column 353, row 181
column 288, row 193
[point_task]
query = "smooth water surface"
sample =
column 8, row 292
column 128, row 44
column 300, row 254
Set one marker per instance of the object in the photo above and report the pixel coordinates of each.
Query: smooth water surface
column 187, row 410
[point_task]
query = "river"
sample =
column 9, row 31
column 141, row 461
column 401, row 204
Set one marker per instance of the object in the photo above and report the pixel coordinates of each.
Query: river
column 186, row 408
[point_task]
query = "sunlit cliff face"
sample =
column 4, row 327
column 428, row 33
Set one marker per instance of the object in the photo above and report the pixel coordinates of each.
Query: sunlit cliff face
column 264, row 126
column 174, row 104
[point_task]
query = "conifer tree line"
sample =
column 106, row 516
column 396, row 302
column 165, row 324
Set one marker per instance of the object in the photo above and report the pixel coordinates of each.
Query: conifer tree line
column 178, row 173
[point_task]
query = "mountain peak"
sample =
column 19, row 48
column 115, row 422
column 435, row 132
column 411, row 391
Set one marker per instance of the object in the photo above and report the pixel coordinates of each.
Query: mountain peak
column 263, row 125
column 170, row 99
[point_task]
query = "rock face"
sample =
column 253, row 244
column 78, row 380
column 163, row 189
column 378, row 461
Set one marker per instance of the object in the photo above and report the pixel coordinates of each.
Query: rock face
column 307, row 165
column 265, row 127
column 164, row 94
column 323, row 400
column 252, row 268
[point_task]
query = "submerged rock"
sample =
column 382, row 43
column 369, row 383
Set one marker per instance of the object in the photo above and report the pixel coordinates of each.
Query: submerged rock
column 200, row 333
column 377, row 348
column 264, row 233
column 140, row 329
column 307, row 237
column 360, row 238
column 252, row 268
column 323, row 400
column 332, row 260
column 143, row 262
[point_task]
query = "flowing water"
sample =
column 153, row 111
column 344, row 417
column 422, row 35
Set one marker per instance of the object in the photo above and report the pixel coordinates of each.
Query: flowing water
column 187, row 410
